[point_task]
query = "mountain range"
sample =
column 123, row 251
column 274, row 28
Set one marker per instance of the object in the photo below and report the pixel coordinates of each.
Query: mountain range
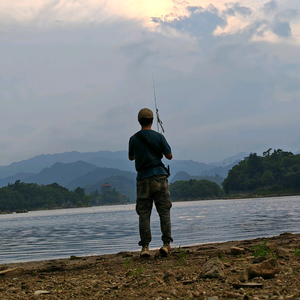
column 92, row 169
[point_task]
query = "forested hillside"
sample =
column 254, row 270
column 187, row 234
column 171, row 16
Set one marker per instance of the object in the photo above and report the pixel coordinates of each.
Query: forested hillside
column 121, row 183
column 61, row 173
column 185, row 176
column 195, row 190
column 32, row 196
column 279, row 170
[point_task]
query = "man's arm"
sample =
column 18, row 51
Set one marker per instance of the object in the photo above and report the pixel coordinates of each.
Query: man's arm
column 169, row 156
column 130, row 150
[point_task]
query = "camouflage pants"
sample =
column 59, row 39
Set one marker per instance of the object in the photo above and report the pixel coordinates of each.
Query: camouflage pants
column 155, row 189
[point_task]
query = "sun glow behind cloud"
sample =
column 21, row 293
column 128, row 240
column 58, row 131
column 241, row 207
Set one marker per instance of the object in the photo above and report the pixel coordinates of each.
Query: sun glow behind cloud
column 237, row 15
column 82, row 57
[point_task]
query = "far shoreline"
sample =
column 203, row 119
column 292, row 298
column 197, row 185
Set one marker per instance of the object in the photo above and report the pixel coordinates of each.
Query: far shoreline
column 231, row 197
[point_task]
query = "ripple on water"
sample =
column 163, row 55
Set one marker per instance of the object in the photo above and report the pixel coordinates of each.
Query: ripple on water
column 53, row 234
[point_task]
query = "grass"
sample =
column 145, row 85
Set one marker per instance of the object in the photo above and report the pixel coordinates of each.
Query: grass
column 297, row 252
column 181, row 255
column 137, row 273
column 261, row 251
column 127, row 264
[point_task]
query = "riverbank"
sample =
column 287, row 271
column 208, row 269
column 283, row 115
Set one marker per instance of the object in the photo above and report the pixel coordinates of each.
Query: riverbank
column 180, row 276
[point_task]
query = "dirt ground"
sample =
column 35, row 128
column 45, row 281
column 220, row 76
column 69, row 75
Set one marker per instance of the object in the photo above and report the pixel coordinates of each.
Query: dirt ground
column 127, row 276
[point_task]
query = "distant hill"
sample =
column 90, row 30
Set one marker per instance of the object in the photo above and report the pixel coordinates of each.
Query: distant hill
column 181, row 176
column 189, row 166
column 14, row 178
column 45, row 169
column 221, row 171
column 230, row 160
column 105, row 162
column 38, row 163
column 61, row 173
column 121, row 183
column 98, row 175
column 104, row 159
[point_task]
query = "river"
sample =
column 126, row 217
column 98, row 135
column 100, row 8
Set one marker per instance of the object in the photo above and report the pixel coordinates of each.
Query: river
column 43, row 235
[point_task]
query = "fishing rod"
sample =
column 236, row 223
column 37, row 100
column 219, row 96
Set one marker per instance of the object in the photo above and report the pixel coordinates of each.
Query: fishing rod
column 159, row 121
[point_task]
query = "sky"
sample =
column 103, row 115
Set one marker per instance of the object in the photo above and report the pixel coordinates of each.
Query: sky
column 74, row 74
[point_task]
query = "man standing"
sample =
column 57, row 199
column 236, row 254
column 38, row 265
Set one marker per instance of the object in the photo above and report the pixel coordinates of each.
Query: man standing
column 147, row 148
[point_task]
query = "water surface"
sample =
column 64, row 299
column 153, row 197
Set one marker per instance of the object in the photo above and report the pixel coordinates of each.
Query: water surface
column 41, row 235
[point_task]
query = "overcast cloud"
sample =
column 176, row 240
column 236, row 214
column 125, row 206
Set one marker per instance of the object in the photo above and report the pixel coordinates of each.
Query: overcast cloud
column 73, row 75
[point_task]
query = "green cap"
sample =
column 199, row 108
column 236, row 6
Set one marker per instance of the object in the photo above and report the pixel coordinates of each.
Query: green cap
column 145, row 113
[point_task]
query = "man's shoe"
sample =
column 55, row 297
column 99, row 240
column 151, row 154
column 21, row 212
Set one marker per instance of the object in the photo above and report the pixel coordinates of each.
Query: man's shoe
column 145, row 251
column 165, row 249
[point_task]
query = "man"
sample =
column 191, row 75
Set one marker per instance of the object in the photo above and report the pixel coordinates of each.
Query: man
column 152, row 182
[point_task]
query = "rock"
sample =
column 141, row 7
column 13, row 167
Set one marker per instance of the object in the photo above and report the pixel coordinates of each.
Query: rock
column 286, row 234
column 218, row 253
column 259, row 259
column 41, row 292
column 247, row 285
column 20, row 211
column 125, row 254
column 264, row 270
column 11, row 272
column 73, row 257
column 174, row 293
column 169, row 278
column 282, row 253
column 273, row 262
column 24, row 286
column 196, row 294
column 237, row 251
column 213, row 269
column 186, row 282
column 213, row 298
column 271, row 247
column 244, row 276
column 232, row 295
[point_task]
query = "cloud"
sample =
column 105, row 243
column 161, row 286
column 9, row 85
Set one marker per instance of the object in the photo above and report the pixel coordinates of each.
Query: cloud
column 282, row 29
column 235, row 9
column 270, row 6
column 200, row 22
column 287, row 15
column 234, row 20
column 226, row 76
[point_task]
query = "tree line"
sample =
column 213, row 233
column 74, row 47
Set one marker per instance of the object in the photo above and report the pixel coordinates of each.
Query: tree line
column 277, row 170
column 274, row 171
column 195, row 190
column 31, row 196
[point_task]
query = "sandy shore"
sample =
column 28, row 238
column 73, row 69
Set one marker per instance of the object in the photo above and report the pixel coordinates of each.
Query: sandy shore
column 180, row 276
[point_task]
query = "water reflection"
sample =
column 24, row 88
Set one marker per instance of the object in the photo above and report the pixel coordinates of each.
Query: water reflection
column 89, row 231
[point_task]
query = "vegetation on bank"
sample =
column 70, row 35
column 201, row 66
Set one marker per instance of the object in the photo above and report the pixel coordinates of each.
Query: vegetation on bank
column 31, row 196
column 274, row 173
column 108, row 197
column 195, row 190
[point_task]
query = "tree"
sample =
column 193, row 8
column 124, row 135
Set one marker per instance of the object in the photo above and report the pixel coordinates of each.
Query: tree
column 281, row 168
column 80, row 192
column 267, row 178
column 195, row 189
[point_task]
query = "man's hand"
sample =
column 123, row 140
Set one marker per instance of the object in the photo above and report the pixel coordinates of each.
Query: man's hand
column 169, row 156
column 131, row 158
